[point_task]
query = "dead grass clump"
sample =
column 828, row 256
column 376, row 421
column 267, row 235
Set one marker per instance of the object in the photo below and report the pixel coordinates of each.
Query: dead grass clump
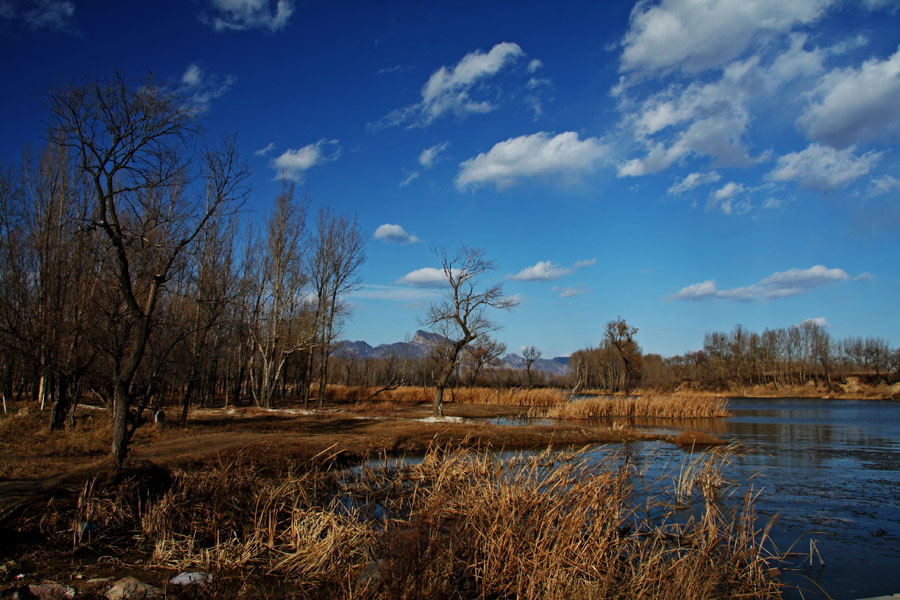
column 648, row 405
column 696, row 439
column 509, row 397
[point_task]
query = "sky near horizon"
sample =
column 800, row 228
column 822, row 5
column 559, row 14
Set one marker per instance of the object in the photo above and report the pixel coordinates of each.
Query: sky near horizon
column 685, row 164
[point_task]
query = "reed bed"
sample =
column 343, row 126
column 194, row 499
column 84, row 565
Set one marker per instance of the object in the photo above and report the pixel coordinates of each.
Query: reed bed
column 463, row 523
column 409, row 395
column 647, row 405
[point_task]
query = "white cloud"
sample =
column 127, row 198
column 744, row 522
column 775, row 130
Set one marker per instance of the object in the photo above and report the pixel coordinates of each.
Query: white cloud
column 864, row 277
column 883, row 185
column 855, row 105
column 448, row 89
column 55, row 15
column 263, row 151
column 201, row 88
column 693, row 180
column 694, row 35
column 294, row 163
column 429, row 155
column 193, row 76
column 544, row 270
column 571, row 291
column 391, row 292
column 425, row 277
column 696, row 291
column 240, row 15
column 539, row 154
column 724, row 199
column 409, row 179
column 584, row 263
column 534, row 65
column 823, row 168
column 792, row 282
column 395, row 234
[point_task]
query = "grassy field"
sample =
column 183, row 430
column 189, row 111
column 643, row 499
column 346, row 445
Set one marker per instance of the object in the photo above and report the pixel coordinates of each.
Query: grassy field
column 293, row 503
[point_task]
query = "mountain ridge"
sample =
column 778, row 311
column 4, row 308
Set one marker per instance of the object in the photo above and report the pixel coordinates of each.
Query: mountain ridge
column 422, row 342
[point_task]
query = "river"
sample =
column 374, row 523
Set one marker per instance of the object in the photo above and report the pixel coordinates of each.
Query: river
column 830, row 471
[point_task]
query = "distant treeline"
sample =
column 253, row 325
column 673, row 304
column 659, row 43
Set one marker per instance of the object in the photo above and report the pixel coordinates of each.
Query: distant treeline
column 777, row 358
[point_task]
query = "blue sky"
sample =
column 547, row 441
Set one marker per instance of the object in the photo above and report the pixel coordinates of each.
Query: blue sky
column 686, row 164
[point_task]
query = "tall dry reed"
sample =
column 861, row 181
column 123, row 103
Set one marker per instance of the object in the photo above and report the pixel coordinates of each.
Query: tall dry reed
column 464, row 523
column 464, row 395
column 648, row 405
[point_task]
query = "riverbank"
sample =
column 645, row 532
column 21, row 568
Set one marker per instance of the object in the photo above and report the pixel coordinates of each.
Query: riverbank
column 460, row 522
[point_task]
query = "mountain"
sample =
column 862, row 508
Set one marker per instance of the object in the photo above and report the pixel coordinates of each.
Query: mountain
column 423, row 341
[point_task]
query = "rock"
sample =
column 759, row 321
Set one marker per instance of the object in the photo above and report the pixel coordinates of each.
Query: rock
column 51, row 591
column 129, row 588
column 189, row 578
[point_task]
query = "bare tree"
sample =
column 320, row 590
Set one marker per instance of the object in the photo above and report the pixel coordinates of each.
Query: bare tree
column 337, row 254
column 460, row 316
column 279, row 321
column 530, row 355
column 484, row 352
column 152, row 194
column 621, row 336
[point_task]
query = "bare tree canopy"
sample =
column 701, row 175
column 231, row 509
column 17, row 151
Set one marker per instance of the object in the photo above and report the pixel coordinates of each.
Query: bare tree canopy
column 530, row 354
column 461, row 315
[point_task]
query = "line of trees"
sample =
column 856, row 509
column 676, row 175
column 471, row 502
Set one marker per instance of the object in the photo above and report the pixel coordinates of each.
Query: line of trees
column 127, row 274
column 777, row 358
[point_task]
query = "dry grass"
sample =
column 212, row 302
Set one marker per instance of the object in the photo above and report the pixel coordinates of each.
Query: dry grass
column 461, row 524
column 409, row 395
column 647, row 405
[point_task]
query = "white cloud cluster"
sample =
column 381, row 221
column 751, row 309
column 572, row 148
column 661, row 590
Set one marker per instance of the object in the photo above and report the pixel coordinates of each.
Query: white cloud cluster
column 55, row 15
column 538, row 154
column 429, row 155
column 201, row 88
column 855, row 105
column 712, row 119
column 394, row 234
column 694, row 35
column 822, row 167
column 425, row 277
column 784, row 284
column 752, row 54
column 448, row 89
column 240, row 15
column 726, row 199
column 294, row 163
column 544, row 270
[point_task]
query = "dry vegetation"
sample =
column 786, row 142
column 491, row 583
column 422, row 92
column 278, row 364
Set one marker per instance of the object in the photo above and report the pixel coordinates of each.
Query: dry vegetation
column 410, row 395
column 461, row 524
column 666, row 406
